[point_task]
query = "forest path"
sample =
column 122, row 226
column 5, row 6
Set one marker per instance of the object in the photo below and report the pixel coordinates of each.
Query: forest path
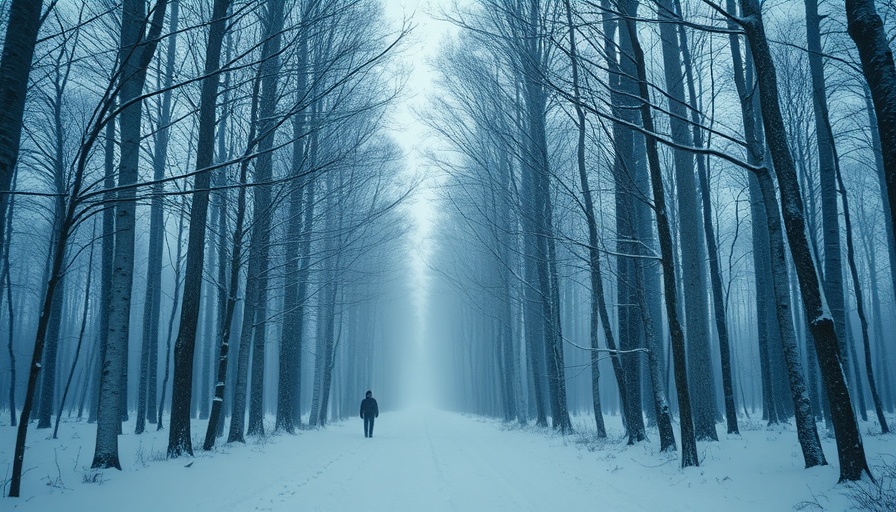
column 428, row 461
column 433, row 461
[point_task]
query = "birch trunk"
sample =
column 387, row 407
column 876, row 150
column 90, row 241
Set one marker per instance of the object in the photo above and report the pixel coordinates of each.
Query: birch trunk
column 136, row 52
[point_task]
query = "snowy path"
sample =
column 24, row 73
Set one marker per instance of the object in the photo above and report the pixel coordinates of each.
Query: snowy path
column 437, row 461
column 426, row 461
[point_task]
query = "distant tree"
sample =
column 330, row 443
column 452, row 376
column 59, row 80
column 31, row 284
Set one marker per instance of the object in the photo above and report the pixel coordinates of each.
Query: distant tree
column 598, row 308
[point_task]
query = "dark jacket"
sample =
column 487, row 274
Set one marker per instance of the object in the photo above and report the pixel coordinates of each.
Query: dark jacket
column 369, row 408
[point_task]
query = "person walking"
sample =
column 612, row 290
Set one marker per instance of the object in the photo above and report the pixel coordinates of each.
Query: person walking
column 369, row 411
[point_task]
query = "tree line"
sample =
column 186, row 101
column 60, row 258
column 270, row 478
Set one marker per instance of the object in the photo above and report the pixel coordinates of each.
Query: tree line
column 696, row 197
column 201, row 214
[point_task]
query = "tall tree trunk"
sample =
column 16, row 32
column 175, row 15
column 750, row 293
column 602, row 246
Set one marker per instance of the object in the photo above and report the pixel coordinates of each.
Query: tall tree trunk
column 179, row 439
column 867, row 30
column 288, row 398
column 533, row 317
column 6, row 286
column 233, row 284
column 849, row 440
column 108, row 246
column 715, row 273
column 625, row 174
column 827, row 180
column 693, row 272
column 328, row 321
column 293, row 307
column 537, row 163
column 15, row 67
column 807, row 432
column 304, row 272
column 882, row 351
column 152, row 303
column 759, row 231
column 174, row 305
column 890, row 233
column 136, row 52
column 59, row 254
column 206, row 335
column 48, row 365
column 622, row 140
column 238, row 409
column 84, row 316
column 688, row 435
column 261, row 232
column 593, row 241
column 224, row 291
column 661, row 407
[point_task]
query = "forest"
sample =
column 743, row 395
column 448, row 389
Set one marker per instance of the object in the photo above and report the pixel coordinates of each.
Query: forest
column 644, row 223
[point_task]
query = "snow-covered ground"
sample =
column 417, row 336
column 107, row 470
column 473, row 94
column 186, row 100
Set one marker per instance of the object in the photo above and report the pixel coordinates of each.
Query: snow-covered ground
column 426, row 460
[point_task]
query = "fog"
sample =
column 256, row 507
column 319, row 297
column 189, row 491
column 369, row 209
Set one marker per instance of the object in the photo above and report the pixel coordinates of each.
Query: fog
column 674, row 216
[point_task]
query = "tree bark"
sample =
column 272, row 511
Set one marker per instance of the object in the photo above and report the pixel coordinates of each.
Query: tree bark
column 693, row 272
column 715, row 273
column 261, row 228
column 860, row 299
column 807, row 432
column 288, row 398
column 827, row 181
column 627, row 169
column 6, row 286
column 15, row 68
column 49, row 363
column 688, row 435
column 622, row 139
column 759, row 230
column 179, row 440
column 238, row 409
column 849, row 440
column 215, row 418
column 867, row 31
column 152, row 303
column 135, row 54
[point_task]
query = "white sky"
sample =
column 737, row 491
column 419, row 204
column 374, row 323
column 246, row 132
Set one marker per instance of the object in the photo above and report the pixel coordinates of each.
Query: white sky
column 410, row 133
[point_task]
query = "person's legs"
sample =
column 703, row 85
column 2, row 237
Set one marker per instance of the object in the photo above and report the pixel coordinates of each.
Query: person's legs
column 371, row 427
column 368, row 427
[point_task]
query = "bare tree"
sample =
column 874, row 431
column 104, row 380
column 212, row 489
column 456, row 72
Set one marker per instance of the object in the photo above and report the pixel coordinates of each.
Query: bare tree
column 179, row 440
column 135, row 53
column 867, row 30
column 688, row 437
column 849, row 441
column 146, row 394
column 15, row 67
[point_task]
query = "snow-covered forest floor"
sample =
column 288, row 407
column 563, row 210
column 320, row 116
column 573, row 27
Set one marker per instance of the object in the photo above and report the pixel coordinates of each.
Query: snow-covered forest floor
column 430, row 460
